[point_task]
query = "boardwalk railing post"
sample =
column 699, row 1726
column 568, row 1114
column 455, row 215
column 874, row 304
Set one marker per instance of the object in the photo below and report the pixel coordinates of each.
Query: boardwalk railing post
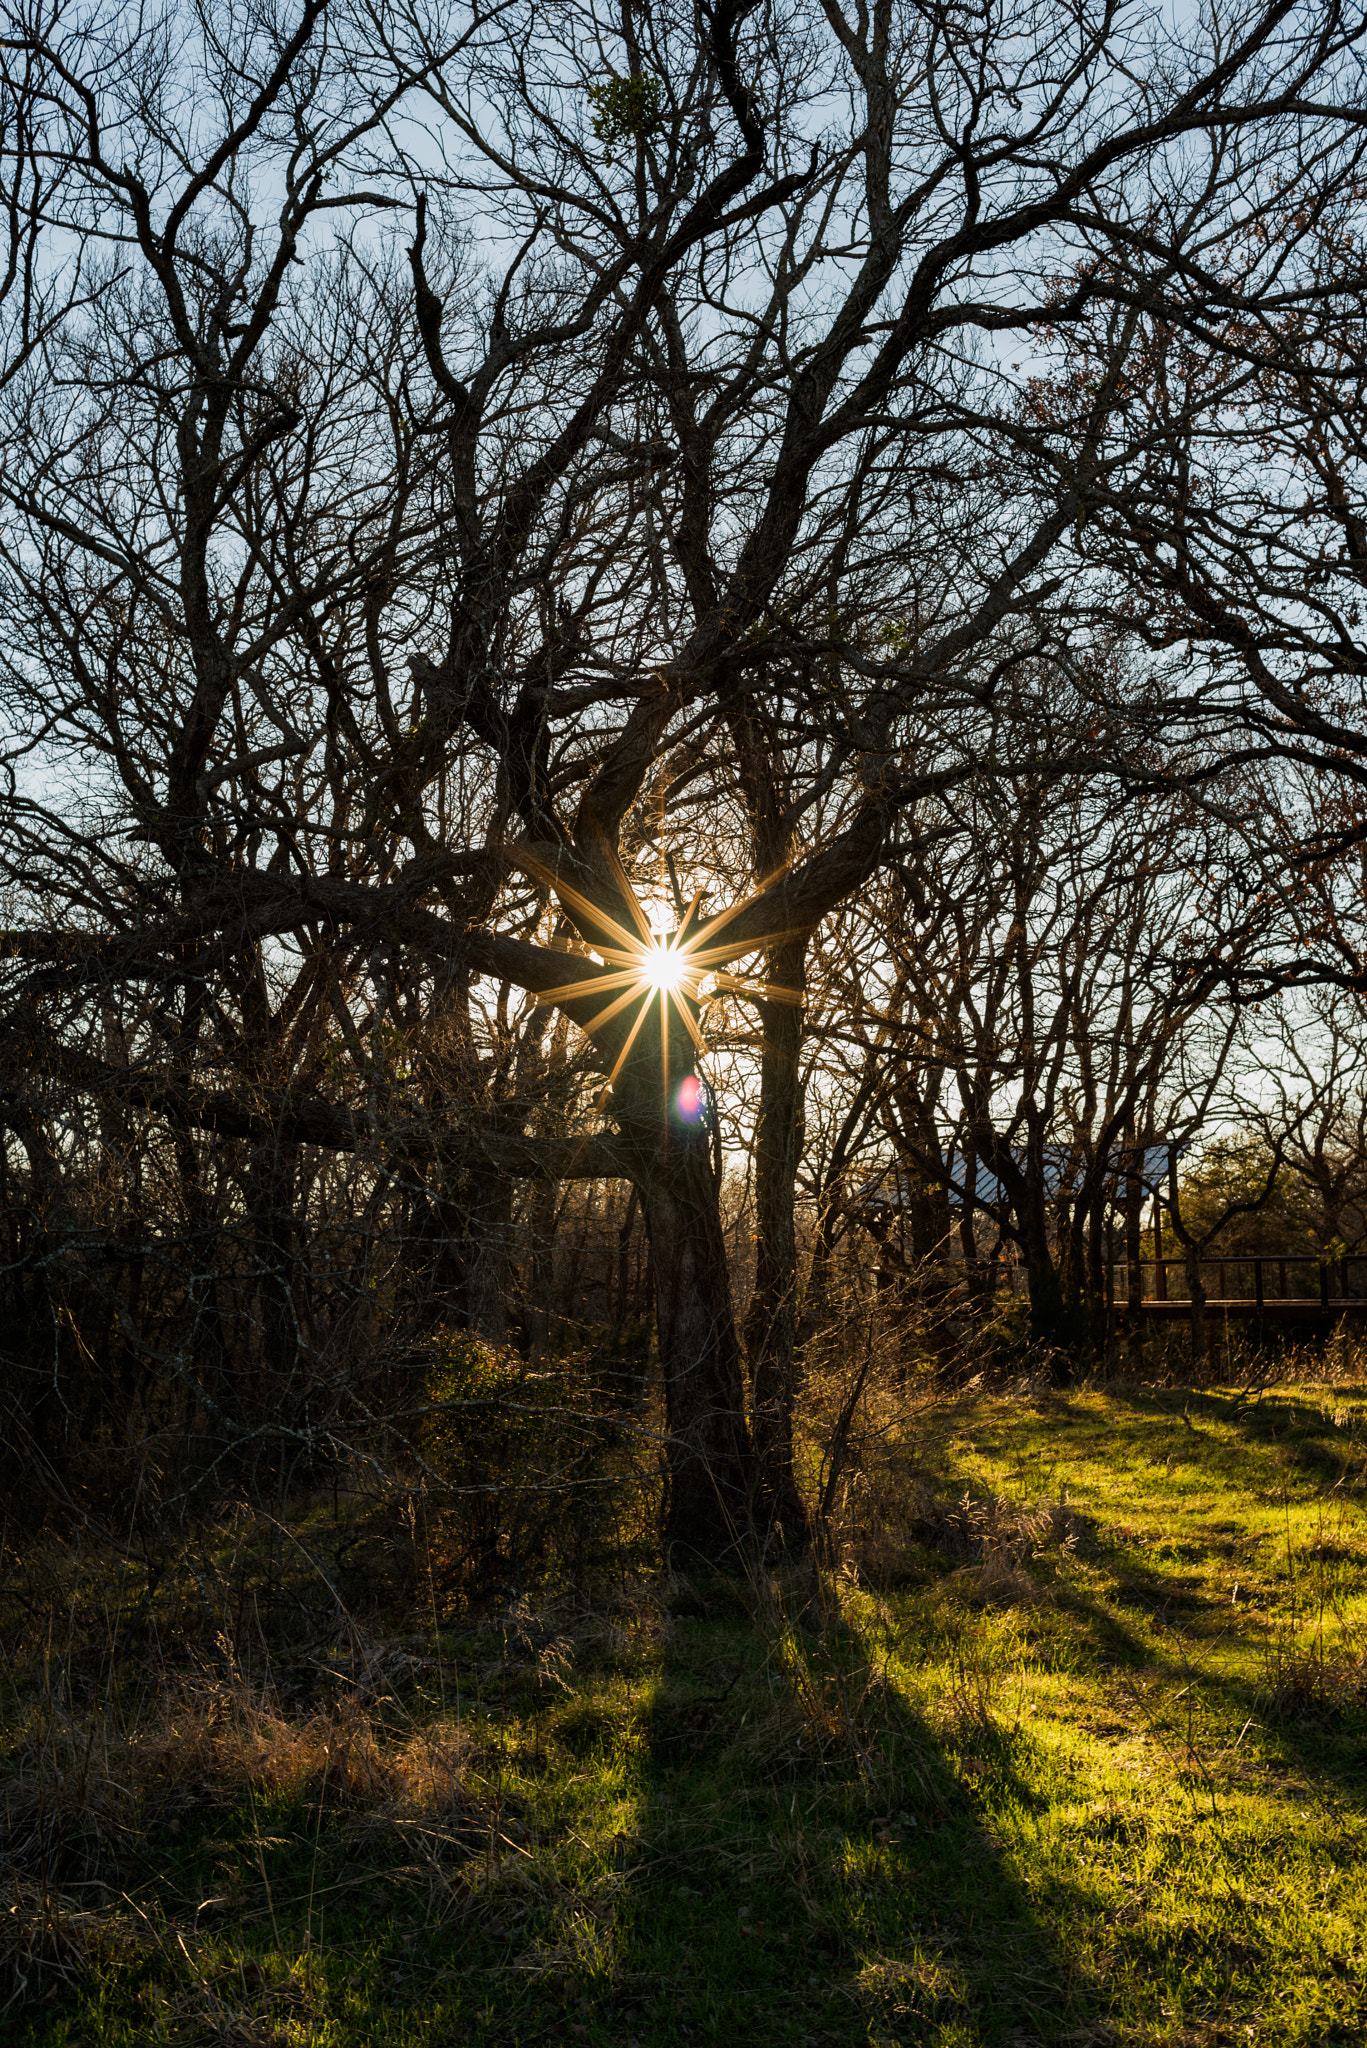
column 1258, row 1284
column 1324, row 1283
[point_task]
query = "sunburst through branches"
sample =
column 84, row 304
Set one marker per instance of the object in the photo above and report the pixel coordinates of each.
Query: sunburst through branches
column 682, row 970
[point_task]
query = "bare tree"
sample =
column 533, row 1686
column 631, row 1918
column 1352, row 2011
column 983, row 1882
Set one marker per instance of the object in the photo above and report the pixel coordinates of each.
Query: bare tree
column 360, row 579
column 1050, row 982
column 1312, row 1105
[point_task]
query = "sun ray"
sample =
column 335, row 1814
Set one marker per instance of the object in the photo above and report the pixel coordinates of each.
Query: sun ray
column 717, row 956
column 623, row 881
column 593, row 912
column 726, row 917
column 582, row 903
column 682, row 933
column 761, row 991
column 694, row 1030
column 606, row 1016
column 621, row 1059
column 591, row 990
column 664, row 1042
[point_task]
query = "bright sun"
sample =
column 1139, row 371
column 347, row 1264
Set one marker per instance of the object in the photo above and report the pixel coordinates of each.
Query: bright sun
column 663, row 967
column 638, row 960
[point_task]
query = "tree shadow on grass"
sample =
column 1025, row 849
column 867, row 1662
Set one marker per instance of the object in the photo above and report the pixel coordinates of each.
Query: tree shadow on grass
column 1311, row 1732
column 813, row 1867
column 1297, row 1429
column 1313, row 1727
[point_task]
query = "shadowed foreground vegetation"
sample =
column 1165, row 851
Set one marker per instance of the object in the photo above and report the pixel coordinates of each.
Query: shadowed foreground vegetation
column 1064, row 1744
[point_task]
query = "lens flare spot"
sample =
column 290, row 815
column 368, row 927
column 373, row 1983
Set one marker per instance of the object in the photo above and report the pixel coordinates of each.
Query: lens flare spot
column 690, row 1100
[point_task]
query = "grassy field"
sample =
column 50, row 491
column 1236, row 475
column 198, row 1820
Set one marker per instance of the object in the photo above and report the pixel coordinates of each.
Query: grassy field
column 1066, row 1747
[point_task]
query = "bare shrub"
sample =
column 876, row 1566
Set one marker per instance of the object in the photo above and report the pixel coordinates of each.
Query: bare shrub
column 47, row 1941
column 971, row 1710
column 900, row 1519
column 1343, row 1360
column 532, row 1469
column 1308, row 1683
column 874, row 1405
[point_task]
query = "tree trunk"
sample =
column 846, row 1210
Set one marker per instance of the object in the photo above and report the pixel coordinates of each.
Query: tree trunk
column 818, row 1304
column 1191, row 1261
column 618, row 1310
column 1097, row 1267
column 1198, row 1310
column 981, row 1273
column 711, row 1464
column 1134, row 1279
column 269, row 1201
column 486, row 1255
column 1049, row 1322
column 1198, row 1304
column 212, row 1371
column 771, row 1319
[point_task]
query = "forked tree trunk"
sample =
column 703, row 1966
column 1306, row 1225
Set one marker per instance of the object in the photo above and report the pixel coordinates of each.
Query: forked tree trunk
column 666, row 1127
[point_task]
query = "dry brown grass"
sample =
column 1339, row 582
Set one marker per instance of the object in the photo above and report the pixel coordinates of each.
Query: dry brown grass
column 92, row 1793
column 85, row 1787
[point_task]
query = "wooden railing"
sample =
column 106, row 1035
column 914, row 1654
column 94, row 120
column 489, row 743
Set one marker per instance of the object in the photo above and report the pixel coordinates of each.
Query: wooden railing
column 1263, row 1271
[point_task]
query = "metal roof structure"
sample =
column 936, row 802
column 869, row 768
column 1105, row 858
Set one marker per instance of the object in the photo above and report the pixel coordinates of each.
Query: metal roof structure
column 890, row 1190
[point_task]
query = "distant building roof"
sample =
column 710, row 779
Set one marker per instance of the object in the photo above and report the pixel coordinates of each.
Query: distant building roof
column 893, row 1188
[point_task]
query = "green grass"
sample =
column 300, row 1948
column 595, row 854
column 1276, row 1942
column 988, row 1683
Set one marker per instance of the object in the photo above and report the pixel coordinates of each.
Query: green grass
column 1100, row 1779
